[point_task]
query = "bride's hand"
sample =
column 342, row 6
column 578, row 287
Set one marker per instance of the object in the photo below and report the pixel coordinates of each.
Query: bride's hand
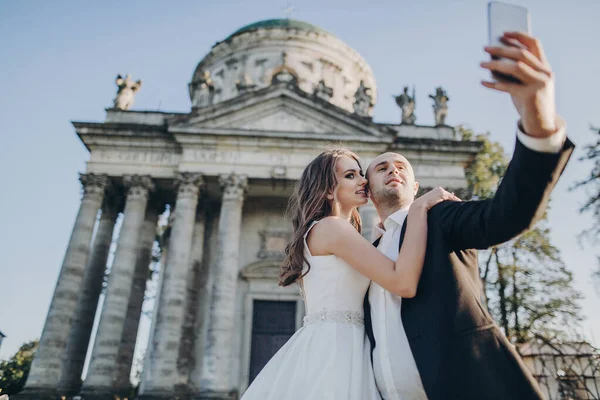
column 433, row 197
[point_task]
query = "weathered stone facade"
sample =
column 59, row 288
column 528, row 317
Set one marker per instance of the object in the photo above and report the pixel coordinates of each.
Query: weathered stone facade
column 226, row 168
column 564, row 369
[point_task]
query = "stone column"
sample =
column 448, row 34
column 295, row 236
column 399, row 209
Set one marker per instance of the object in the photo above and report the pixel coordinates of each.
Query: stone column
column 161, row 274
column 99, row 381
column 191, row 341
column 45, row 371
column 171, row 313
column 121, row 383
column 216, row 363
column 203, row 296
column 79, row 339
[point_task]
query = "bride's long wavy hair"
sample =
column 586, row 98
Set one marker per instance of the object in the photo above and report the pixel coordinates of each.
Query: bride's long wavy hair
column 309, row 203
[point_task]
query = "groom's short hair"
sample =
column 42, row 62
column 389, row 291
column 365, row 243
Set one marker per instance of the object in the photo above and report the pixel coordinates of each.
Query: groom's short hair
column 371, row 162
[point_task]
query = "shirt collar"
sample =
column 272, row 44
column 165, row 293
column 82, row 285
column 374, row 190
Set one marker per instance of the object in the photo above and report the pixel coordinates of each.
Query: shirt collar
column 397, row 218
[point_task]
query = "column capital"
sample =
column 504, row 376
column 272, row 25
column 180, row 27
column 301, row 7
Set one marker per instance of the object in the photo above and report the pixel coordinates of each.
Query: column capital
column 94, row 184
column 188, row 183
column 233, row 185
column 138, row 185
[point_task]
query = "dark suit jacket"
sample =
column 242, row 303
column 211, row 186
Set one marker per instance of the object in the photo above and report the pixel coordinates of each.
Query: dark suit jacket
column 459, row 350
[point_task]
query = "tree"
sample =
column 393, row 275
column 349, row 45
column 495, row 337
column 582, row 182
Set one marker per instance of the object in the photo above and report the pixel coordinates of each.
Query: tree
column 532, row 288
column 527, row 287
column 592, row 185
column 489, row 166
column 14, row 372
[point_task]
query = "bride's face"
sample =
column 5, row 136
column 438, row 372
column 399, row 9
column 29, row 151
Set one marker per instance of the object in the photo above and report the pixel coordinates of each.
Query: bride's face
column 351, row 187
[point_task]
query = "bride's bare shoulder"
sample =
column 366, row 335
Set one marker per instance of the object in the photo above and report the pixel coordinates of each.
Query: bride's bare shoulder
column 329, row 225
column 321, row 238
column 325, row 235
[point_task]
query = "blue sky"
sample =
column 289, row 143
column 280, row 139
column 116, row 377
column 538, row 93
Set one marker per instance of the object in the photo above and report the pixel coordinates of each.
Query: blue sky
column 59, row 61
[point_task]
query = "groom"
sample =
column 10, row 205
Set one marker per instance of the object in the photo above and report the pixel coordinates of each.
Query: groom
column 442, row 344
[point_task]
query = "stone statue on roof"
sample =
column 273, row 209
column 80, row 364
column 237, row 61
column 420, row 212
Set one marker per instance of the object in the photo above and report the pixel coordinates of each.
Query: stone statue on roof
column 126, row 92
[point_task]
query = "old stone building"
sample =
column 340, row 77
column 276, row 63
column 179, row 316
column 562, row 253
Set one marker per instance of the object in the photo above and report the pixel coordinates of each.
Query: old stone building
column 264, row 102
column 565, row 370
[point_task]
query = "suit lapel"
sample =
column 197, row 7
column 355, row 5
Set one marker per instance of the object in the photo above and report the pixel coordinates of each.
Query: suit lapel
column 411, row 325
column 367, row 314
column 402, row 233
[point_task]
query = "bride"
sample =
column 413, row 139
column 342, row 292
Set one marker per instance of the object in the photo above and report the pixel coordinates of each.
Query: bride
column 329, row 357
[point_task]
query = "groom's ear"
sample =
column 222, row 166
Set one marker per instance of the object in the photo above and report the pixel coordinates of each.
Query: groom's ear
column 416, row 190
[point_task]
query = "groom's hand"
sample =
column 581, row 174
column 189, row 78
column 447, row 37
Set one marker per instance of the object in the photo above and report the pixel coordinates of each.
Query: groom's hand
column 534, row 97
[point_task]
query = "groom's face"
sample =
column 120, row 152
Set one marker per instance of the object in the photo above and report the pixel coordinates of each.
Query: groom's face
column 391, row 178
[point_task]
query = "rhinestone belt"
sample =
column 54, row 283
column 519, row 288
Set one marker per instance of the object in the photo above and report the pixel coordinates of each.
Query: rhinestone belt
column 345, row 317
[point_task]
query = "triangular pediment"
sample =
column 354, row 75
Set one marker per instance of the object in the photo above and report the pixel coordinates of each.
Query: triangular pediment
column 278, row 110
column 279, row 117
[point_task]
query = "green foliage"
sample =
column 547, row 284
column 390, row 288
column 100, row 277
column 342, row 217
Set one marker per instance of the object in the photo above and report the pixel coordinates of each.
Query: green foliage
column 527, row 286
column 484, row 172
column 14, row 372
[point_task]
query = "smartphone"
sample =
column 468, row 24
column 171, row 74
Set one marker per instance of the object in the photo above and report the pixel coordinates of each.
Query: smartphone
column 502, row 18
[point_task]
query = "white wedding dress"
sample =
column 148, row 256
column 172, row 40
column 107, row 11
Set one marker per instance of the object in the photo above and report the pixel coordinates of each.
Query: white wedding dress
column 329, row 357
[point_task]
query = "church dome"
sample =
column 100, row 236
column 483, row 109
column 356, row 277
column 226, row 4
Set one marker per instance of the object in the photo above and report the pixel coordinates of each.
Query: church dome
column 258, row 54
column 278, row 23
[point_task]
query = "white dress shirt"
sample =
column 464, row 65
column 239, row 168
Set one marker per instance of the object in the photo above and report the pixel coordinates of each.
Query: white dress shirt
column 395, row 369
column 396, row 372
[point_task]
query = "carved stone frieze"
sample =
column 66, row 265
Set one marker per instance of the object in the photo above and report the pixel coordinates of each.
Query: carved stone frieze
column 143, row 157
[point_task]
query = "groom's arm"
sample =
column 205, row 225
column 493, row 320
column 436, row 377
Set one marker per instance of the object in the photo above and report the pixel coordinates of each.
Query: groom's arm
column 520, row 200
column 540, row 155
